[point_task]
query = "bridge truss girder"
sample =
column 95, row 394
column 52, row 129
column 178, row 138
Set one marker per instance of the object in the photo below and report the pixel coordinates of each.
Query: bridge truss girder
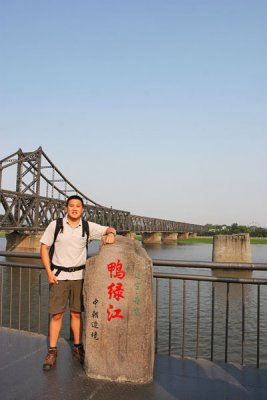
column 40, row 197
column 21, row 210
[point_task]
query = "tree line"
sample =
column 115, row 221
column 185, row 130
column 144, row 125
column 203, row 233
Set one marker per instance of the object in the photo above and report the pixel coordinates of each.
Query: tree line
column 254, row 231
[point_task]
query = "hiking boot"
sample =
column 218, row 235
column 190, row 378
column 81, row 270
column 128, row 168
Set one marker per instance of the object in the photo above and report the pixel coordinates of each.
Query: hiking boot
column 50, row 359
column 78, row 353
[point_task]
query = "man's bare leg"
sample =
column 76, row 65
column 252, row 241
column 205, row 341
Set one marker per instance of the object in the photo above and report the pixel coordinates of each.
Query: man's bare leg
column 55, row 328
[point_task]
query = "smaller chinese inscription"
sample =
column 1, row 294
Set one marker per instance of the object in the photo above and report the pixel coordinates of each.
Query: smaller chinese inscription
column 137, row 299
column 94, row 320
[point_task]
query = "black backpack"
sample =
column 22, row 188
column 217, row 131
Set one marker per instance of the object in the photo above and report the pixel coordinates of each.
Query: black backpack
column 59, row 228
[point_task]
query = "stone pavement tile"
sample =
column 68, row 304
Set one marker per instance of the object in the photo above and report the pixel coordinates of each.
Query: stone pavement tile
column 22, row 377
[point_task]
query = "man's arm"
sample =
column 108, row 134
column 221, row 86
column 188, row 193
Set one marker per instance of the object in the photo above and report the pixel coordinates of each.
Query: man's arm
column 44, row 252
column 109, row 237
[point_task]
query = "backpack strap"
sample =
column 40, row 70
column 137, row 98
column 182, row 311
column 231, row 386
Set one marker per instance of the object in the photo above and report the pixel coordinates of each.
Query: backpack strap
column 59, row 228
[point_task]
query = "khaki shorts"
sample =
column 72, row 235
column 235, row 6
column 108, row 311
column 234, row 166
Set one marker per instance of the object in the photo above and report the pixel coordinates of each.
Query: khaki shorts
column 63, row 292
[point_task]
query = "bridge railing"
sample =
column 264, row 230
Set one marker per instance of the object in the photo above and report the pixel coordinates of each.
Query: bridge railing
column 205, row 315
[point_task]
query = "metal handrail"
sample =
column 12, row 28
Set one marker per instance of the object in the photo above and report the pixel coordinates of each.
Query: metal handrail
column 166, row 263
column 19, row 254
column 205, row 278
column 211, row 264
column 162, row 302
column 192, row 277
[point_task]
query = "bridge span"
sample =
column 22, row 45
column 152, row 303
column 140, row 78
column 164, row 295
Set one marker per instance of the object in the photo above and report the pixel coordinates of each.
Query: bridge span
column 33, row 192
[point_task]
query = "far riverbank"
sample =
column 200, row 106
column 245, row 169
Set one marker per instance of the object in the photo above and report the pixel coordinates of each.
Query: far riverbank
column 208, row 240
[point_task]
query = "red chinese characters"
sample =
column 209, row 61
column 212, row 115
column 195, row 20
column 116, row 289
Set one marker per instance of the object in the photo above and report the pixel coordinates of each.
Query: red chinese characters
column 115, row 270
column 115, row 289
column 114, row 313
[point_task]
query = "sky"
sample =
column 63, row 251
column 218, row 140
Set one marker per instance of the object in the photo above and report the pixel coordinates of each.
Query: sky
column 157, row 107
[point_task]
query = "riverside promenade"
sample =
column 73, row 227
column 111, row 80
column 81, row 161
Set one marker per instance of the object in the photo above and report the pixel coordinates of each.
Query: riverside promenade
column 22, row 377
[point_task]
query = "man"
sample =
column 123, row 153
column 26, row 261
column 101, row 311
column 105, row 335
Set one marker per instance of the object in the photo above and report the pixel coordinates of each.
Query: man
column 65, row 273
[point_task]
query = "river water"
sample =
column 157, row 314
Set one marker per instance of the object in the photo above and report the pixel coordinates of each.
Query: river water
column 184, row 330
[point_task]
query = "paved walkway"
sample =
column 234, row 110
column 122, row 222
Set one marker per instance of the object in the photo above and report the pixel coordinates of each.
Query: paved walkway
column 22, row 377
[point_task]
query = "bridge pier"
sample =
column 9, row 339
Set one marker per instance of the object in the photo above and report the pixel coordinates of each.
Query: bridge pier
column 183, row 235
column 192, row 235
column 152, row 238
column 232, row 248
column 16, row 241
column 168, row 237
column 130, row 235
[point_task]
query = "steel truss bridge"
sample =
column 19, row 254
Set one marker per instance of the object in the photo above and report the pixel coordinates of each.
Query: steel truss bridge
column 39, row 196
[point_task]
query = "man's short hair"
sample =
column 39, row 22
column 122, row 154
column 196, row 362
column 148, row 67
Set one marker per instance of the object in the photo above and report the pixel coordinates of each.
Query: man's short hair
column 75, row 197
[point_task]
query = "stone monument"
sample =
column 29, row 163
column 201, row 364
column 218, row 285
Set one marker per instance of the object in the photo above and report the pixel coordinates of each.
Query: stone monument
column 119, row 313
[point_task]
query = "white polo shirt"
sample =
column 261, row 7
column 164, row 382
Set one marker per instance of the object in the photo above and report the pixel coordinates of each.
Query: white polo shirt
column 70, row 246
